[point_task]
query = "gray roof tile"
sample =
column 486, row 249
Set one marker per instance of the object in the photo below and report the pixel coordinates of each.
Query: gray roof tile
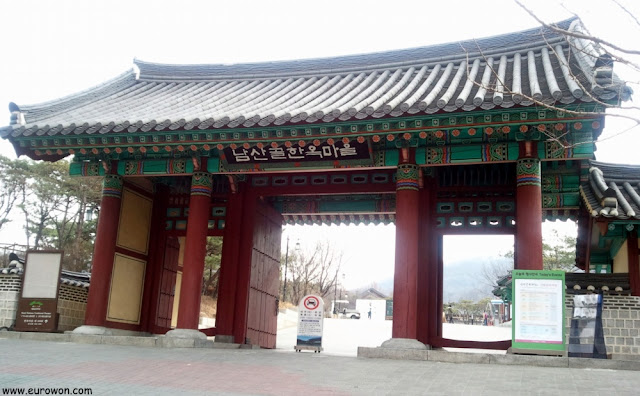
column 449, row 77
column 80, row 279
column 612, row 191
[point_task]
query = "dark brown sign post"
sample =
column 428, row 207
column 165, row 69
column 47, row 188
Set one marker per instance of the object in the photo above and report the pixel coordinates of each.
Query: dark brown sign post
column 38, row 303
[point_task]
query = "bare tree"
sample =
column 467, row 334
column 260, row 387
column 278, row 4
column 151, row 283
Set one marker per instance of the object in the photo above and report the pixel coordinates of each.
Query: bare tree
column 587, row 51
column 329, row 260
column 315, row 271
column 558, row 254
column 496, row 269
column 301, row 268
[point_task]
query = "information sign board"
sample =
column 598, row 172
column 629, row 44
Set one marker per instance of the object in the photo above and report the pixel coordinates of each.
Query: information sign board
column 310, row 323
column 38, row 303
column 538, row 312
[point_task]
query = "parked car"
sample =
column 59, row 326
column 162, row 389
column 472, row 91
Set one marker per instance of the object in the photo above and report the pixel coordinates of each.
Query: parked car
column 349, row 314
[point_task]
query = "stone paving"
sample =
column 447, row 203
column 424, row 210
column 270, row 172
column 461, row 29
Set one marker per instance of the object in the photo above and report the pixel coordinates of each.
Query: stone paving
column 344, row 336
column 130, row 370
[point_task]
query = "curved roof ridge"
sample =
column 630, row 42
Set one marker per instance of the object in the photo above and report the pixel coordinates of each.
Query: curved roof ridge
column 612, row 190
column 617, row 171
column 404, row 58
column 601, row 164
column 37, row 111
column 142, row 102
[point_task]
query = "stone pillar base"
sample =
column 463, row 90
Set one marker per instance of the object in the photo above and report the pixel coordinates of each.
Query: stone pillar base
column 92, row 330
column 184, row 338
column 186, row 333
column 397, row 348
column 226, row 339
column 404, row 343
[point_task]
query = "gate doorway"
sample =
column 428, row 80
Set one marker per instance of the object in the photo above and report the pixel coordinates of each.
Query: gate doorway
column 363, row 279
column 171, row 283
column 472, row 264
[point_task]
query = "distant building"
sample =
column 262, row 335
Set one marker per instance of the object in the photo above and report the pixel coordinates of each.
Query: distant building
column 374, row 302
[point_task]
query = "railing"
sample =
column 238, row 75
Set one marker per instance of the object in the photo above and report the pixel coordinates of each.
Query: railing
column 7, row 248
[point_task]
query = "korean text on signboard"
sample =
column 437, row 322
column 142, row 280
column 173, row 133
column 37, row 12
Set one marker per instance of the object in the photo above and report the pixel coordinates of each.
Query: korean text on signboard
column 310, row 321
column 36, row 315
column 338, row 151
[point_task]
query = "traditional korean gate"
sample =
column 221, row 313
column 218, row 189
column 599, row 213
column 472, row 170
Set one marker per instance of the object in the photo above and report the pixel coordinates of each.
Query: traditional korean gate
column 264, row 281
column 168, row 282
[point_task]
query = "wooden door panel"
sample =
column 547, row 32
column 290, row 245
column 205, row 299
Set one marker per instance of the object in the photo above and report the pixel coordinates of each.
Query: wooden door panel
column 168, row 282
column 264, row 279
column 252, row 322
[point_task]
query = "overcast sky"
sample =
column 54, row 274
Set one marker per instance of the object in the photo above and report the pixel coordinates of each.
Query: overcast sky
column 54, row 48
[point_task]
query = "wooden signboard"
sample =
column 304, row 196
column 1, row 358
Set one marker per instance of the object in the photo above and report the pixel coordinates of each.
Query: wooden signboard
column 38, row 303
column 329, row 153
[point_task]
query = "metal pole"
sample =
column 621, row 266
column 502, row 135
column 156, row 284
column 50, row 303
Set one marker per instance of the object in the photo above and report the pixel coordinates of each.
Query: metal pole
column 286, row 264
column 335, row 294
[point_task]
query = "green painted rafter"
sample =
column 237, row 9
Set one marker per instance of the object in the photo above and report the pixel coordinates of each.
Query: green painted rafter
column 461, row 128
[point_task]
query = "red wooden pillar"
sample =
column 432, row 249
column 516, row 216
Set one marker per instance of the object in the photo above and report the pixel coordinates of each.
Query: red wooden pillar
column 528, row 238
column 435, row 288
column 427, row 264
column 405, row 284
column 229, row 266
column 104, row 251
column 194, row 251
column 244, row 268
column 439, row 249
column 634, row 270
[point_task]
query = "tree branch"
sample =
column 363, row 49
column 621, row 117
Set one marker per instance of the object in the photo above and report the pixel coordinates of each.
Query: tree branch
column 576, row 34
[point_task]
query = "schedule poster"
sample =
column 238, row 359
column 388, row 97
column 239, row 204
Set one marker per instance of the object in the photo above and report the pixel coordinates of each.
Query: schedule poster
column 538, row 311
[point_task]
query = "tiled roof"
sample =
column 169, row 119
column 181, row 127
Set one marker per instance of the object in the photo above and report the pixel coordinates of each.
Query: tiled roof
column 496, row 72
column 6, row 271
column 371, row 292
column 80, row 279
column 70, row 278
column 611, row 283
column 612, row 191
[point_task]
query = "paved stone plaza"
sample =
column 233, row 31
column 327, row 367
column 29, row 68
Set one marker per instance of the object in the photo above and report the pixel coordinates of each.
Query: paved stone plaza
column 344, row 336
column 120, row 370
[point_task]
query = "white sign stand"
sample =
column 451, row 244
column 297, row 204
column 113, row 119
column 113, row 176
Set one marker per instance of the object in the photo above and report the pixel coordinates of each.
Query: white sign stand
column 310, row 323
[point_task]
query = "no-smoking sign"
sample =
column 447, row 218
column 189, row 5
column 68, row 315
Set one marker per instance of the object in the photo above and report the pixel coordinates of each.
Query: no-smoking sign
column 311, row 303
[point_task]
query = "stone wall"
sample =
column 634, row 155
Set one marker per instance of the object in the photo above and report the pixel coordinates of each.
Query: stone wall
column 9, row 292
column 72, row 302
column 620, row 324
